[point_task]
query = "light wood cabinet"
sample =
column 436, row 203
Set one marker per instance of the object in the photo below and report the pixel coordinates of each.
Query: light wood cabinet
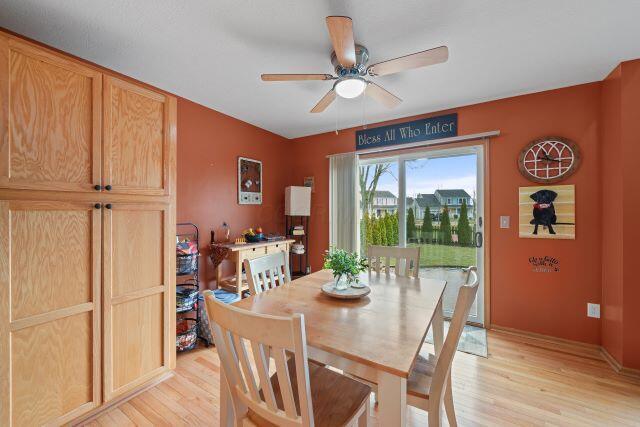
column 50, row 311
column 87, row 275
column 136, row 138
column 50, row 120
column 139, row 303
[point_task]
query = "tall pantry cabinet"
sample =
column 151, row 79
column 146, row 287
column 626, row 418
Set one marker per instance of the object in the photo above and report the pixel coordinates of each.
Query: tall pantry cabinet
column 87, row 236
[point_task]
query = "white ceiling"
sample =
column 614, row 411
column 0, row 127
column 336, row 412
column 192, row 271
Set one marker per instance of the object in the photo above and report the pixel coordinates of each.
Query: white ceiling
column 213, row 51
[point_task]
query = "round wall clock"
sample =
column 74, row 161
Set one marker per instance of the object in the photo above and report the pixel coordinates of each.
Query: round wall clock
column 548, row 160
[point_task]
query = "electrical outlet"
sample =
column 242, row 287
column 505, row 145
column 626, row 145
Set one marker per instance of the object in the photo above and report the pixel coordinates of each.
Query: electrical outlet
column 504, row 221
column 593, row 310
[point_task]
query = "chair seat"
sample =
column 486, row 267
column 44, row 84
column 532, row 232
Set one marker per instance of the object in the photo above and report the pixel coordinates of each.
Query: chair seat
column 335, row 398
column 419, row 382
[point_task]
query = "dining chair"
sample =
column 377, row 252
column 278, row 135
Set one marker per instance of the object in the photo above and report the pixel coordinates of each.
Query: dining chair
column 429, row 383
column 406, row 260
column 267, row 272
column 299, row 393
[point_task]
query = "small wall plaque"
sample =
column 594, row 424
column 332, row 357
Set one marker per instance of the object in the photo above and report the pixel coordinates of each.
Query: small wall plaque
column 249, row 181
column 544, row 264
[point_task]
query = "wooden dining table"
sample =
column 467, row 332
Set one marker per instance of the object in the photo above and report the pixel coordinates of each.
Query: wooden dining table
column 376, row 338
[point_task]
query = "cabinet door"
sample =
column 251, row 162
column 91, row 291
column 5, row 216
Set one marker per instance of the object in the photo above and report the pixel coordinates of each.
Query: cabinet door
column 139, row 295
column 139, row 125
column 50, row 356
column 50, row 120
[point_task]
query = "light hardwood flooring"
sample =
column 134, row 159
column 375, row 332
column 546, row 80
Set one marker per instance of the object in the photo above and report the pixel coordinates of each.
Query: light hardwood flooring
column 523, row 382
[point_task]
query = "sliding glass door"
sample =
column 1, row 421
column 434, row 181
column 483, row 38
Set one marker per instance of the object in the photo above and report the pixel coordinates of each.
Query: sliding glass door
column 432, row 199
column 444, row 217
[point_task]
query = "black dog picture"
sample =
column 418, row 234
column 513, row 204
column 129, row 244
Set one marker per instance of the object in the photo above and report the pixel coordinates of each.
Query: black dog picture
column 544, row 213
column 547, row 212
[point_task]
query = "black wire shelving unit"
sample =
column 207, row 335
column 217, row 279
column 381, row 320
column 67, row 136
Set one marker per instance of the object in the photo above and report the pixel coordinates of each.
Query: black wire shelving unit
column 188, row 290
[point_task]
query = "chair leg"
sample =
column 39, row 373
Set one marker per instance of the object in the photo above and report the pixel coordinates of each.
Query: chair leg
column 448, row 404
column 435, row 416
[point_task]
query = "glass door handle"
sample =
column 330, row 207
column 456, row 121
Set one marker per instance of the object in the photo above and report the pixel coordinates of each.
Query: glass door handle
column 479, row 239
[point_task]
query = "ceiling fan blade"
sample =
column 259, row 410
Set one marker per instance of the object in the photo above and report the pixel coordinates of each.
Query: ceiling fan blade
column 341, row 33
column 408, row 62
column 327, row 99
column 294, row 77
column 382, row 95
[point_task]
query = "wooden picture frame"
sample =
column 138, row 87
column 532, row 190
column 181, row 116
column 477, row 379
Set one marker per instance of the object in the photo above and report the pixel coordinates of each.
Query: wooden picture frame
column 551, row 217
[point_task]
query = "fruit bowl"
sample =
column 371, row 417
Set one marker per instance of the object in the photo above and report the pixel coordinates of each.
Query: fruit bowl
column 254, row 238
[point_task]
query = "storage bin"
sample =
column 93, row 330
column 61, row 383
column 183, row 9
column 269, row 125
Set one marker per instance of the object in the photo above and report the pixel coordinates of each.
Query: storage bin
column 186, row 297
column 186, row 264
column 186, row 334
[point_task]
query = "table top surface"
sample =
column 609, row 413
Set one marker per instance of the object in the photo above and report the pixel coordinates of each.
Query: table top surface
column 384, row 330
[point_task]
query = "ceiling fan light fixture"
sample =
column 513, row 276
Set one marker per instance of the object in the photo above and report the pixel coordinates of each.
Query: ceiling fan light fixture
column 350, row 87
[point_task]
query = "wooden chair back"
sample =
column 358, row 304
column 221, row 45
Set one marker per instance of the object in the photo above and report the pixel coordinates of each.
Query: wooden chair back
column 466, row 296
column 267, row 272
column 249, row 383
column 407, row 260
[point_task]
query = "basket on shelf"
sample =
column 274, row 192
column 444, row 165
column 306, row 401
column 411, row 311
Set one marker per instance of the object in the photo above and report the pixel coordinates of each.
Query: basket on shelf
column 186, row 334
column 186, row 296
column 186, row 264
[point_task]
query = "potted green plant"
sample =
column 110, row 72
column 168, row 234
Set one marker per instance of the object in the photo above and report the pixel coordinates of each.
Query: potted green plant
column 346, row 267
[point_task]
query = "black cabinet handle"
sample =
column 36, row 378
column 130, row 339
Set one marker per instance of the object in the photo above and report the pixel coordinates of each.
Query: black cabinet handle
column 97, row 206
column 98, row 187
column 108, row 206
column 107, row 187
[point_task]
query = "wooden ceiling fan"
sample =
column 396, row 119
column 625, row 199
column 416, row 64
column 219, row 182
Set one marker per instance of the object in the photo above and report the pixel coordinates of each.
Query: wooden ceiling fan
column 350, row 62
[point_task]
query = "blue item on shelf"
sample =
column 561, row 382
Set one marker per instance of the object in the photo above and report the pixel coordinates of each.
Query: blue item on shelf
column 204, row 328
column 226, row 296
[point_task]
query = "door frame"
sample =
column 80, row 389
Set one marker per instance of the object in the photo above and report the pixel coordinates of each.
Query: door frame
column 479, row 147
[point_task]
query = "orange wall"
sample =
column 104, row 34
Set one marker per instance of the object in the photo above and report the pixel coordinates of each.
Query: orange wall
column 612, row 189
column 547, row 303
column 209, row 144
column 630, row 137
column 620, row 135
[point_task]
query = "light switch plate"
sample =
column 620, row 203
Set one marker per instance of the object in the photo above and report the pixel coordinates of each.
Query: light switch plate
column 505, row 221
column 593, row 310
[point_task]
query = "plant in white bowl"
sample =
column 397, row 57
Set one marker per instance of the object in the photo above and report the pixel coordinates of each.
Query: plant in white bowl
column 346, row 267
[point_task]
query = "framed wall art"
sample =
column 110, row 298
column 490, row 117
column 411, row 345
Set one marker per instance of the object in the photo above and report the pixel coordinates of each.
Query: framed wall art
column 249, row 181
column 547, row 212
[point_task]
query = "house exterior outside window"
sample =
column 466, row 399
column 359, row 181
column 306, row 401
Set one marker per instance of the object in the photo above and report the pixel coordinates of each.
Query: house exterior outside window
column 434, row 203
column 384, row 202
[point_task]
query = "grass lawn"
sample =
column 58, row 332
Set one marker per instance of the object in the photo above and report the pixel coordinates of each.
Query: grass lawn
column 446, row 256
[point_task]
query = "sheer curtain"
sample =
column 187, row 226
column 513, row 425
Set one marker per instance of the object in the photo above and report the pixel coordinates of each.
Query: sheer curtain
column 343, row 201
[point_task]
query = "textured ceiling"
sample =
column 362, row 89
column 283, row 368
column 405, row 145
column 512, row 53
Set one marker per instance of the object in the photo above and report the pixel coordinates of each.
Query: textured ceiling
column 213, row 52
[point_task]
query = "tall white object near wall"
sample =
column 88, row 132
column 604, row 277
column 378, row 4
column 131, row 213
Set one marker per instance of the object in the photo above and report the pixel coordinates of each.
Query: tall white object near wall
column 297, row 201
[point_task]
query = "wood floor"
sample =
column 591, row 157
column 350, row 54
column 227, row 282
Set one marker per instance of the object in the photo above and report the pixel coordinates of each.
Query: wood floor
column 524, row 382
